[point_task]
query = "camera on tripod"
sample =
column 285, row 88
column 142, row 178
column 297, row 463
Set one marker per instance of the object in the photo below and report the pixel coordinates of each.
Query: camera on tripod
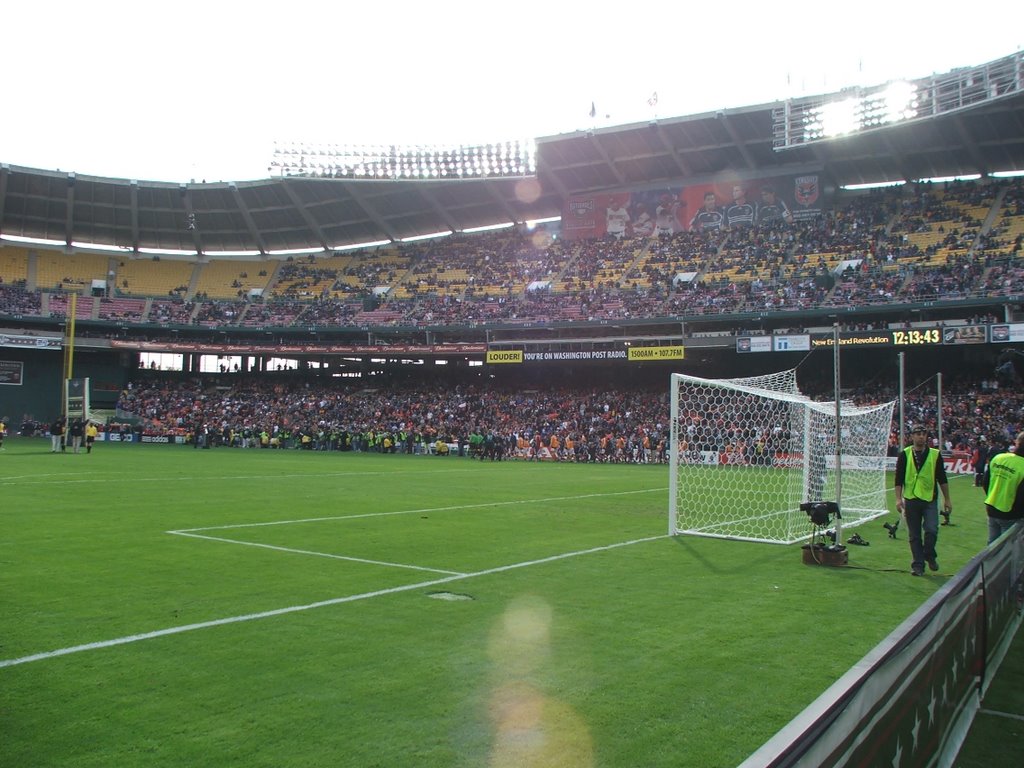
column 821, row 512
column 823, row 548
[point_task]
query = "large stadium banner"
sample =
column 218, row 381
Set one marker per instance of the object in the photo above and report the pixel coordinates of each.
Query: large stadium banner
column 724, row 203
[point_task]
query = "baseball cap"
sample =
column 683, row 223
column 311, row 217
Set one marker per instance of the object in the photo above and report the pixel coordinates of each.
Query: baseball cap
column 919, row 428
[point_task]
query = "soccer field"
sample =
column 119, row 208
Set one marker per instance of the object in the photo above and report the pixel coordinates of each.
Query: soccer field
column 165, row 606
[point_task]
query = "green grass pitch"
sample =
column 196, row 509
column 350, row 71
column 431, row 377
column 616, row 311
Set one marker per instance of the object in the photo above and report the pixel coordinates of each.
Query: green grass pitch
column 165, row 606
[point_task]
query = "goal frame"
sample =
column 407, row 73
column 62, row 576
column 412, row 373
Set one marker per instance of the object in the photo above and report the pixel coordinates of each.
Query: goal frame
column 785, row 521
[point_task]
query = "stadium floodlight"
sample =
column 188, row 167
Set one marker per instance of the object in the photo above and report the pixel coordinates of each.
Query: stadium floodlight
column 357, row 246
column 550, row 219
column 296, row 252
column 818, row 118
column 31, row 240
column 947, row 179
column 872, row 109
column 873, row 185
column 428, row 236
column 487, row 227
column 76, row 245
column 833, row 119
column 168, row 252
column 504, row 159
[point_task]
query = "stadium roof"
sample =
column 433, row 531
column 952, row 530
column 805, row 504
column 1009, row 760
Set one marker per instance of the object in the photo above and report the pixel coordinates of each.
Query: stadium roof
column 280, row 215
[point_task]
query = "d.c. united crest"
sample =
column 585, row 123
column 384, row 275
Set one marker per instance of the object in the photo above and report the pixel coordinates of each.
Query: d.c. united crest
column 806, row 190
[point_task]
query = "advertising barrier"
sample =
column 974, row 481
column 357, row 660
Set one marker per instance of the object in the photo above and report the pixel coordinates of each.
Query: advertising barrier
column 912, row 699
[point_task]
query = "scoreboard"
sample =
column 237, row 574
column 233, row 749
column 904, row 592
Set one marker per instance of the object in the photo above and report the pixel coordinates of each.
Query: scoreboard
column 903, row 338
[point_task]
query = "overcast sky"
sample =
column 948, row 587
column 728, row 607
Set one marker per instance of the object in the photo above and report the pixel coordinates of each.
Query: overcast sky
column 202, row 90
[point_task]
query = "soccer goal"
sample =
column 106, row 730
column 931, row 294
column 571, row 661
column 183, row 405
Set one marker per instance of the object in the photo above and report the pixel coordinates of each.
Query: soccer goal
column 747, row 452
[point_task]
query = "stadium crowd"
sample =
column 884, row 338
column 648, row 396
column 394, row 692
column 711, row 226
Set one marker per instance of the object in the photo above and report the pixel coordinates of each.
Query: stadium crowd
column 602, row 424
column 925, row 243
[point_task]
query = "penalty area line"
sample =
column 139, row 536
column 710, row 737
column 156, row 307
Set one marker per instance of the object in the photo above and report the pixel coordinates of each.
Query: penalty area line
column 455, row 508
column 317, row 554
column 311, row 606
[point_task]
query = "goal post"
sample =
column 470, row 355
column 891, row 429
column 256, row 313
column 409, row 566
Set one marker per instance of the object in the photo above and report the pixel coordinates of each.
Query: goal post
column 747, row 452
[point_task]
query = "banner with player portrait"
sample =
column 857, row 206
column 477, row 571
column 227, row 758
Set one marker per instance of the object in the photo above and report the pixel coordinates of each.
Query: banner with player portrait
column 726, row 203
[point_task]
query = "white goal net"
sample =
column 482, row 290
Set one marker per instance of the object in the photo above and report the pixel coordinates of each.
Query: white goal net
column 746, row 453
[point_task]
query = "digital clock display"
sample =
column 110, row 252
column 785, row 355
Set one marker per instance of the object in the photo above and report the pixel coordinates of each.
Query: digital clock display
column 916, row 337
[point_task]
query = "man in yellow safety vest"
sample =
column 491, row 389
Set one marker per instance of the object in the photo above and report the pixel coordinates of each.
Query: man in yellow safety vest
column 1004, row 490
column 920, row 473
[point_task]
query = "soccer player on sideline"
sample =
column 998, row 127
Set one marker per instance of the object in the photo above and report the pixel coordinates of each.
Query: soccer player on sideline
column 918, row 470
column 1004, row 490
column 3, row 431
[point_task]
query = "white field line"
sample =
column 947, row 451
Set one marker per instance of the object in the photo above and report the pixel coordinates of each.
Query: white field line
column 310, row 606
column 193, row 532
column 94, row 478
column 997, row 713
column 317, row 554
column 43, row 477
column 422, row 510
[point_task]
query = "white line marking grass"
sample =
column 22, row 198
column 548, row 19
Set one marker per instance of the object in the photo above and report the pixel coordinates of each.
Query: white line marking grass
column 421, row 511
column 94, row 478
column 317, row 554
column 310, row 606
column 997, row 713
column 194, row 532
